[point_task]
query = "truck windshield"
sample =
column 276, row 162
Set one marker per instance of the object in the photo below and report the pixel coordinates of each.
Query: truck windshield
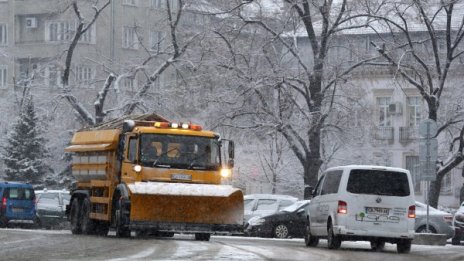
column 176, row 151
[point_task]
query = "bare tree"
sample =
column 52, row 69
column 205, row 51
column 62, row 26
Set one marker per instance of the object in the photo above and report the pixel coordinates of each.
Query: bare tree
column 287, row 89
column 424, row 46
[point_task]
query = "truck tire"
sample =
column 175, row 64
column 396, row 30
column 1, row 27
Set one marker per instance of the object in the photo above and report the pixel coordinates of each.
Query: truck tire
column 87, row 224
column 75, row 214
column 202, row 236
column 121, row 229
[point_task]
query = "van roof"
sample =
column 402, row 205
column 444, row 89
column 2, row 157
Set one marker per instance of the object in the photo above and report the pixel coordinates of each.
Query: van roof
column 269, row 196
column 368, row 167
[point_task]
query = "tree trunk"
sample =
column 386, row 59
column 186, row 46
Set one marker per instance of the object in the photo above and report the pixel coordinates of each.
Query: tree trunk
column 434, row 194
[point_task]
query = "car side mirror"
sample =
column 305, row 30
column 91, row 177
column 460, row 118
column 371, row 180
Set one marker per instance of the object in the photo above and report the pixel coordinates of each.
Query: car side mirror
column 308, row 192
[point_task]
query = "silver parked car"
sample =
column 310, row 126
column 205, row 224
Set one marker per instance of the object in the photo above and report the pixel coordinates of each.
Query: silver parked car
column 51, row 206
column 440, row 222
column 259, row 205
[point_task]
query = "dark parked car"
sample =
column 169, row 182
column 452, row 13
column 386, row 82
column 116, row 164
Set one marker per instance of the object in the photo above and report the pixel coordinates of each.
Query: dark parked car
column 17, row 204
column 458, row 224
column 289, row 222
column 51, row 206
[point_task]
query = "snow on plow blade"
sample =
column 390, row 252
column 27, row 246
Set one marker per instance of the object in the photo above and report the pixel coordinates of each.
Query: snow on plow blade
column 158, row 203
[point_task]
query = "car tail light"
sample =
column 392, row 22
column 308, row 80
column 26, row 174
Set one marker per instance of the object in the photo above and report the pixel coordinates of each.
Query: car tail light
column 4, row 203
column 448, row 219
column 412, row 211
column 342, row 207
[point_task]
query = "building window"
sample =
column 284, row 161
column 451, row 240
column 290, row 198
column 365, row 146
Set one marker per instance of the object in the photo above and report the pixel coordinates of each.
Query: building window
column 3, row 34
column 2, row 76
column 412, row 164
column 414, row 111
column 129, row 84
column 157, row 40
column 84, row 74
column 129, row 2
column 89, row 36
column 130, row 38
column 53, row 76
column 385, row 119
column 57, row 31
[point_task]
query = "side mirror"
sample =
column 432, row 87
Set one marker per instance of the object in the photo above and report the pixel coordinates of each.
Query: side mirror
column 231, row 149
column 308, row 192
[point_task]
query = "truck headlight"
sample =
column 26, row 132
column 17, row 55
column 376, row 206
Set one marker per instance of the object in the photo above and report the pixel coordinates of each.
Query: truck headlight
column 226, row 173
column 137, row 168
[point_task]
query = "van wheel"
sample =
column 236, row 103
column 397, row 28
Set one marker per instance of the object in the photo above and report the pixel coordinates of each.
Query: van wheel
column 403, row 246
column 333, row 241
column 281, row 231
column 377, row 245
column 88, row 225
column 310, row 240
column 75, row 217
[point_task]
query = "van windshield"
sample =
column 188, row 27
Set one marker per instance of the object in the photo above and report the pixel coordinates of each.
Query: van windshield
column 378, row 182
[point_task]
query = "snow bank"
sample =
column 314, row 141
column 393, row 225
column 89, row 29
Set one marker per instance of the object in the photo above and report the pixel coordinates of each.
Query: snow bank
column 181, row 189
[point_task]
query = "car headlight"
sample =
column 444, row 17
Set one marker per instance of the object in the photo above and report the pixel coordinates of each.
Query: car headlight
column 256, row 222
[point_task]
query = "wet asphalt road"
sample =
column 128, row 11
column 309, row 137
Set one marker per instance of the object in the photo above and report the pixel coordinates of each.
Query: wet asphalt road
column 17, row 244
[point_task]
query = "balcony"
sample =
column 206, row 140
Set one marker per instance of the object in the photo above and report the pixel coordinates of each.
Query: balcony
column 384, row 133
column 408, row 134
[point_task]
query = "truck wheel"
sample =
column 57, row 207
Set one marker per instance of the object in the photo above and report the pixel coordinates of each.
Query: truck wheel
column 310, row 240
column 121, row 229
column 333, row 241
column 403, row 246
column 75, row 217
column 87, row 225
column 456, row 241
column 202, row 236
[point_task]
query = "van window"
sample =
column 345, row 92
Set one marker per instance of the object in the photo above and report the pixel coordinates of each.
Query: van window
column 317, row 190
column 363, row 181
column 332, row 182
column 19, row 193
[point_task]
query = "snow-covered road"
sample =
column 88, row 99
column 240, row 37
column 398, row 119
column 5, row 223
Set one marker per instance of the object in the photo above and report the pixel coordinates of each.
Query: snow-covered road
column 18, row 244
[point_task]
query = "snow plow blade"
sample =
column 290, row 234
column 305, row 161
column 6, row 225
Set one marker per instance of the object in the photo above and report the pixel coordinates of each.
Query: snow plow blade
column 186, row 207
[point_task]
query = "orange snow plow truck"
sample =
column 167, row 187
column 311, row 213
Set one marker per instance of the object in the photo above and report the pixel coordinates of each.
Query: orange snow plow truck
column 151, row 176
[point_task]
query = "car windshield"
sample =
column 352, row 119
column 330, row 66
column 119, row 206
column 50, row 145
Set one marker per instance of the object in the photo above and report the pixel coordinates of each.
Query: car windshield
column 185, row 152
column 295, row 206
column 374, row 182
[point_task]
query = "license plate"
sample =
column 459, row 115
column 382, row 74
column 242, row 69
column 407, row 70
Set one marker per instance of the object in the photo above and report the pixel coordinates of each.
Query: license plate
column 16, row 210
column 375, row 210
column 181, row 177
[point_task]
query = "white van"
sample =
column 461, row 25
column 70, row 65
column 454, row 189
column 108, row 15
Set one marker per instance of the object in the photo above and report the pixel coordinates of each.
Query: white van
column 362, row 203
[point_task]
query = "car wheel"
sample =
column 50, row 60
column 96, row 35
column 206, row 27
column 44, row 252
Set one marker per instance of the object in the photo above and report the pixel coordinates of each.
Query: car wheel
column 310, row 240
column 423, row 229
column 333, row 241
column 75, row 217
column 403, row 246
column 281, row 231
column 202, row 236
column 377, row 244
